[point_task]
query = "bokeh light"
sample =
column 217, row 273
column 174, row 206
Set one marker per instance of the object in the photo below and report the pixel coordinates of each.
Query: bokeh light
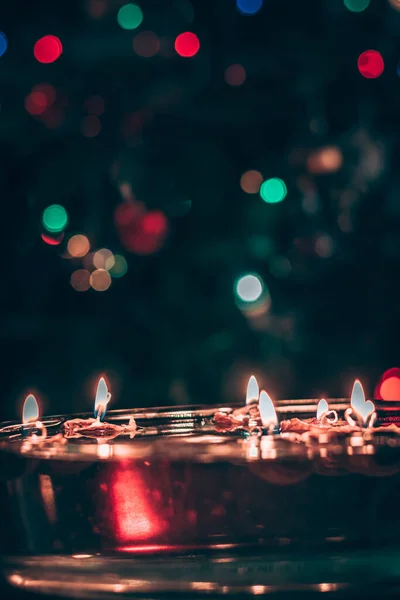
column 235, row 75
column 3, row 43
column 324, row 246
column 90, row 126
column 325, row 160
column 78, row 246
column 80, row 280
column 48, row 90
column 273, row 190
column 51, row 240
column 251, row 181
column 249, row 288
column 55, row 218
column 100, row 280
column 103, row 259
column 187, row 44
column 47, row 49
column 129, row 16
column 370, row 64
column 395, row 4
column 35, row 103
column 356, row 5
column 120, row 266
column 146, row 44
column 388, row 387
column 249, row 7
column 155, row 223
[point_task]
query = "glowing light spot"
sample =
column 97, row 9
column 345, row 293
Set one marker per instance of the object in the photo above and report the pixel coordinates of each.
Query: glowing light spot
column 273, row 190
column 388, row 387
column 30, row 412
column 55, row 218
column 249, row 7
column 47, row 49
column 251, row 181
column 129, row 16
column 80, row 280
column 52, row 241
column 35, row 103
column 3, row 43
column 370, row 64
column 235, row 75
column 155, row 222
column 325, row 160
column 90, row 126
column 103, row 397
column 187, row 44
column 95, row 105
column 120, row 266
column 134, row 517
column 103, row 259
column 356, row 5
column 324, row 246
column 48, row 91
column 395, row 4
column 78, row 246
column 249, row 288
column 146, row 44
column 100, row 280
column 363, row 408
column 125, row 214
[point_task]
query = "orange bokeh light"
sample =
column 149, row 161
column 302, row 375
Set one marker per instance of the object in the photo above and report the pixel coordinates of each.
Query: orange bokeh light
column 78, row 246
column 100, row 280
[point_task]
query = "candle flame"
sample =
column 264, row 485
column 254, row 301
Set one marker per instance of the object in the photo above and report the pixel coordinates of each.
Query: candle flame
column 252, row 391
column 267, row 411
column 30, row 412
column 322, row 408
column 102, row 398
column 362, row 408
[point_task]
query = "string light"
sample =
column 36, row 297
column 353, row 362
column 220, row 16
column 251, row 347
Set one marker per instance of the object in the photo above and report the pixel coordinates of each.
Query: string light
column 55, row 218
column 146, row 44
column 187, row 44
column 249, row 7
column 370, row 64
column 78, row 246
column 235, row 75
column 47, row 49
column 120, row 266
column 3, row 43
column 273, row 190
column 249, row 288
column 251, row 181
column 80, row 280
column 100, row 280
column 356, row 5
column 129, row 16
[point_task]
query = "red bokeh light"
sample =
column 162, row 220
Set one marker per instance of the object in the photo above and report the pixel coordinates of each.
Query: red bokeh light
column 155, row 223
column 146, row 44
column 47, row 49
column 388, row 387
column 52, row 241
column 48, row 90
column 36, row 103
column 90, row 126
column 187, row 44
column 370, row 64
column 235, row 75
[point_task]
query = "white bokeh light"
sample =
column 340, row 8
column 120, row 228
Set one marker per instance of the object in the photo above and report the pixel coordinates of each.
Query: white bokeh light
column 249, row 288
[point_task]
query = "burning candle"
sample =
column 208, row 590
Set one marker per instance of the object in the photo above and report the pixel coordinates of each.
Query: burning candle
column 269, row 420
column 362, row 410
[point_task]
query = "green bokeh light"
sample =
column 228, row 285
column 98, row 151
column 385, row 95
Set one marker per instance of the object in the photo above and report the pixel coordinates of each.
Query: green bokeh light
column 273, row 190
column 120, row 266
column 129, row 16
column 55, row 218
column 356, row 5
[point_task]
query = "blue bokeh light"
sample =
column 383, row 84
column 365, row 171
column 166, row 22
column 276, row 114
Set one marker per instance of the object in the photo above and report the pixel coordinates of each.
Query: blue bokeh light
column 249, row 7
column 3, row 43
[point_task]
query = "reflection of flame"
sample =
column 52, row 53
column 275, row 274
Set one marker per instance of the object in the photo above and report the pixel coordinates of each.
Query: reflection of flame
column 135, row 518
column 102, row 398
column 252, row 390
column 362, row 408
column 322, row 408
column 30, row 412
column 267, row 411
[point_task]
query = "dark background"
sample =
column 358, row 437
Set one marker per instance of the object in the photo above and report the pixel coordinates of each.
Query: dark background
column 173, row 142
